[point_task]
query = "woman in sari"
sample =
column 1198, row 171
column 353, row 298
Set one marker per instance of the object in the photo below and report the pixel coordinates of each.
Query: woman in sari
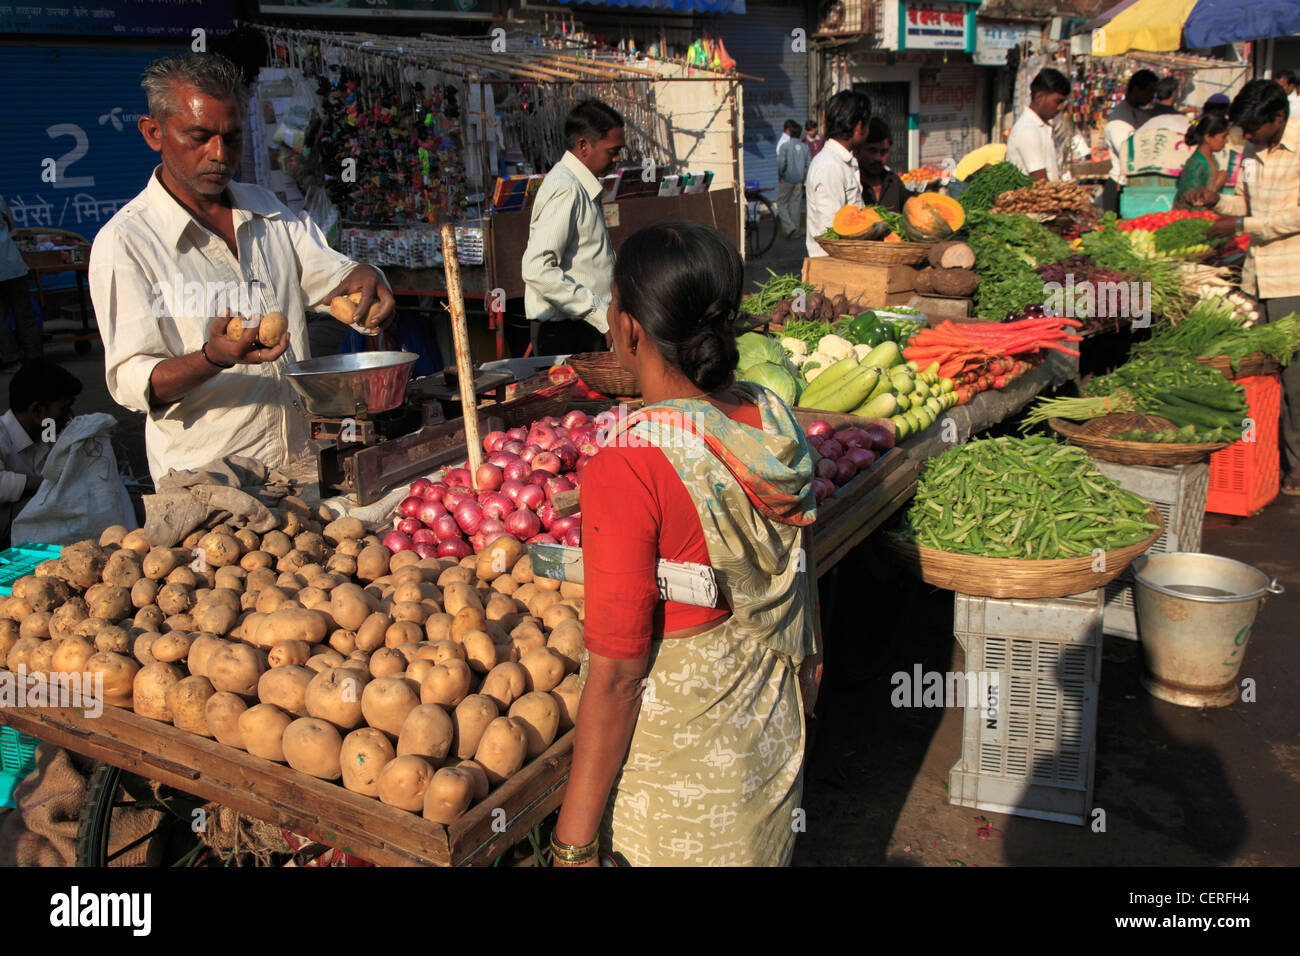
column 690, row 734
column 1201, row 170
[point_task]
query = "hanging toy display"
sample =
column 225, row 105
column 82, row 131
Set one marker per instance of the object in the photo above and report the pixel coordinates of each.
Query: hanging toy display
column 405, row 146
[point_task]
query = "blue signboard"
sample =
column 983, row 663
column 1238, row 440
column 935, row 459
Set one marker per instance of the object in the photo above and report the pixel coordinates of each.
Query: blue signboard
column 118, row 18
column 72, row 118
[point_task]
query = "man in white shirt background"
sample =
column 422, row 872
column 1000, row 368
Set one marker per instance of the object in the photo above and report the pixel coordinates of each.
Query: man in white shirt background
column 1031, row 145
column 568, row 266
column 1291, row 84
column 193, row 239
column 1123, row 122
column 41, row 396
column 834, row 179
column 1164, row 114
column 14, row 296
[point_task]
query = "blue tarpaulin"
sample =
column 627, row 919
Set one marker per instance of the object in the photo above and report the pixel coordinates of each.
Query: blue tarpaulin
column 1213, row 22
column 679, row 6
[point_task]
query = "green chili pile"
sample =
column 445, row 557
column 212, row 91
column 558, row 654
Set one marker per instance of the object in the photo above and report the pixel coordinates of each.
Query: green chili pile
column 1022, row 498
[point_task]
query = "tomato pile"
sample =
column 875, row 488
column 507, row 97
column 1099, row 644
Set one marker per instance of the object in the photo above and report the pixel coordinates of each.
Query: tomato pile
column 1155, row 220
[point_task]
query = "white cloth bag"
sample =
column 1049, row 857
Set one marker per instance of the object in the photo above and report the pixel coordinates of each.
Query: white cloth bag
column 82, row 493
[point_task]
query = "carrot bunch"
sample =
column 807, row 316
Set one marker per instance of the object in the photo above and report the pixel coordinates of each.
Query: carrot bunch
column 975, row 345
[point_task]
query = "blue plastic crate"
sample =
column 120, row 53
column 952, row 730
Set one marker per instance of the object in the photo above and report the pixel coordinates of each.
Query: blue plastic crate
column 17, row 760
column 21, row 560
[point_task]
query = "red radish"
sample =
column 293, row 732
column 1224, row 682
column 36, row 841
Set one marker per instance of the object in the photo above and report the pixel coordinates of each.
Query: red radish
column 510, row 488
column 517, row 434
column 410, row 507
column 459, row 478
column 531, row 496
column 425, row 549
column 823, row 488
column 517, row 470
column 541, row 539
column 445, row 527
column 454, row 548
column 513, row 447
column 408, row 526
column 844, row 471
column 395, row 541
column 831, row 449
column 435, row 491
column 819, row 429
column 424, row 536
column 430, row 512
column 881, row 437
column 549, row 461
column 496, row 505
column 523, row 524
column 501, row 459
column 469, row 516
column 826, row 468
column 488, row 477
column 493, row 441
column 420, row 486
column 560, row 526
column 530, row 452
column 547, row 515
column 863, row 458
column 573, row 537
column 575, row 419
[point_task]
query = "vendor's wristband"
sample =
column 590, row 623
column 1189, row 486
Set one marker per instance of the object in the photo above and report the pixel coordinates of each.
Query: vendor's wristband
column 1241, row 225
column 204, row 350
column 574, row 855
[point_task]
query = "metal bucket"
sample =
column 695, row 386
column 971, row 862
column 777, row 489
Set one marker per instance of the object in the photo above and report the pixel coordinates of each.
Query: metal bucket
column 1194, row 615
column 342, row 385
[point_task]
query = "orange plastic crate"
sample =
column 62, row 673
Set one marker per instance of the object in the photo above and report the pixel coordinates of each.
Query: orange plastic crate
column 1244, row 476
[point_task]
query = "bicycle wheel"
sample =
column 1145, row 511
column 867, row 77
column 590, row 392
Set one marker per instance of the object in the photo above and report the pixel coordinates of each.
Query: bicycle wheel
column 118, row 806
column 765, row 225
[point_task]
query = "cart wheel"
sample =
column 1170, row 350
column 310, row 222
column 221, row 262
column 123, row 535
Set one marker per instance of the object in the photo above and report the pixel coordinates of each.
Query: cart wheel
column 82, row 346
column 168, row 837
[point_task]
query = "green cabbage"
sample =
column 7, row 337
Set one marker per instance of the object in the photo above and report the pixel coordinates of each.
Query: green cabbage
column 756, row 348
column 774, row 378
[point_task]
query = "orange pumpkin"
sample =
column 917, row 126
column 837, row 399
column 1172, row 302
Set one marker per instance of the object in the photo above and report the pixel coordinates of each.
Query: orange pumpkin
column 932, row 217
column 893, row 237
column 858, row 222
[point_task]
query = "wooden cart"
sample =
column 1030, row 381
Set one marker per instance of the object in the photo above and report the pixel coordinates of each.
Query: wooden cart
column 363, row 826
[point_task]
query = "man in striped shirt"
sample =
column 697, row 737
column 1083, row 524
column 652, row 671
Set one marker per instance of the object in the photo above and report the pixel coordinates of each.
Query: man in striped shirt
column 1267, row 207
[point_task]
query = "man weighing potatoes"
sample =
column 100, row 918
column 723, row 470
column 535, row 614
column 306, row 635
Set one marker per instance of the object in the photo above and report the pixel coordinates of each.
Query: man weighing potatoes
column 192, row 250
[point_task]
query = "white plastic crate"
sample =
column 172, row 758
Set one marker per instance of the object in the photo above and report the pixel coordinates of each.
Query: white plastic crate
column 1179, row 492
column 1028, row 748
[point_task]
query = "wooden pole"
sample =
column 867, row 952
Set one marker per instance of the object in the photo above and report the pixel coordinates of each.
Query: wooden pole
column 460, row 339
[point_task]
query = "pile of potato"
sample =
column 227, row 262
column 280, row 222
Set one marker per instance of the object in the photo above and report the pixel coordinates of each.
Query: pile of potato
column 423, row 682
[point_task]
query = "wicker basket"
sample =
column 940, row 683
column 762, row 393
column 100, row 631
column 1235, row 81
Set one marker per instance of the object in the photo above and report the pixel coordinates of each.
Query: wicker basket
column 877, row 253
column 1256, row 364
column 601, row 372
column 1019, row 578
column 1093, row 436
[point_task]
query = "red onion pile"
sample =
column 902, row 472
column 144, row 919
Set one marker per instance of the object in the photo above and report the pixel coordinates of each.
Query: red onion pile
column 509, row 494
column 844, row 453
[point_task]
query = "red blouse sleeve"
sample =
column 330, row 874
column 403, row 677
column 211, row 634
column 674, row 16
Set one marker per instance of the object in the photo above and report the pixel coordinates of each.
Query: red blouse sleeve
column 620, row 539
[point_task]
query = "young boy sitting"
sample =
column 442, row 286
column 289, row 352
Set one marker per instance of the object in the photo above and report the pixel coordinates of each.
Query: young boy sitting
column 41, row 395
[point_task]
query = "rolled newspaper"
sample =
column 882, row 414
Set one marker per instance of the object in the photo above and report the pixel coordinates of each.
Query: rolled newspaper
column 678, row 581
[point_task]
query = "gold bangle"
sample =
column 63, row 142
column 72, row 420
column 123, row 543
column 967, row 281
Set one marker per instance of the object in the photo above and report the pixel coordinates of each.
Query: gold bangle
column 568, row 853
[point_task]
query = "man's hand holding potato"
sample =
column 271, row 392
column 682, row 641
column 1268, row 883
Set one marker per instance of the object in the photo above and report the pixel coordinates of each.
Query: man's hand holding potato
column 364, row 291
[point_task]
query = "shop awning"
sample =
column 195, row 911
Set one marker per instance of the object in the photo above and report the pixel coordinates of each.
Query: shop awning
column 677, row 6
column 1213, row 22
column 1155, row 25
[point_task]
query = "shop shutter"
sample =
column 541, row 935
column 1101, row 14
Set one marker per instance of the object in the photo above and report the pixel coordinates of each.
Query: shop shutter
column 89, row 98
column 760, row 43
